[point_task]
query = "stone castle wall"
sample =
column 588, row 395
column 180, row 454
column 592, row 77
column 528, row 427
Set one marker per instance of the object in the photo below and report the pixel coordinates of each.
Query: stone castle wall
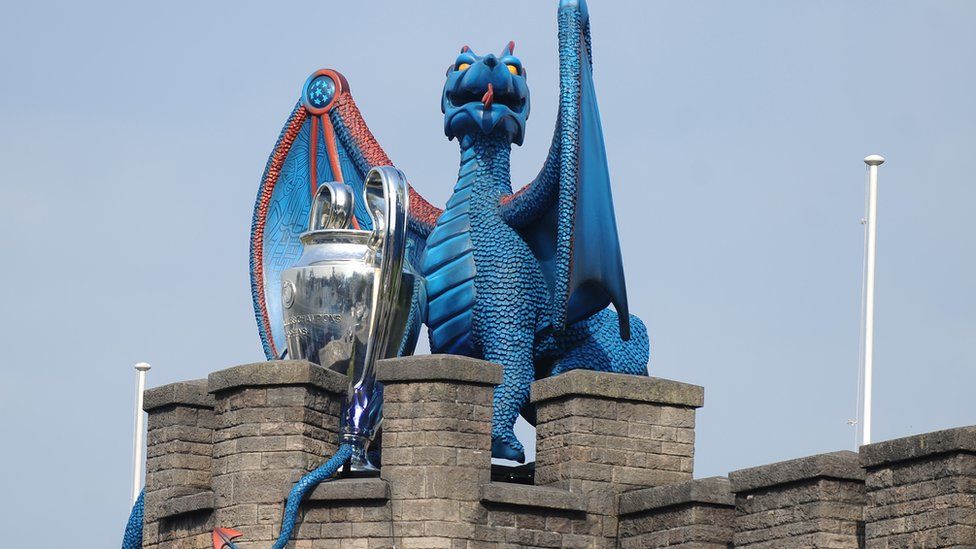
column 614, row 468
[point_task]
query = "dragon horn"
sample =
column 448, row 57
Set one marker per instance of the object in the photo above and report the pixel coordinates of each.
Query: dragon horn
column 509, row 48
column 222, row 538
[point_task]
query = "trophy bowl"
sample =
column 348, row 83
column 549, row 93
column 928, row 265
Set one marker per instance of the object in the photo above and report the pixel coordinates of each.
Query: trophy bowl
column 347, row 299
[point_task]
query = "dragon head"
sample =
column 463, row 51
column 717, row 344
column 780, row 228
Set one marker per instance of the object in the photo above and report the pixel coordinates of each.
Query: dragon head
column 486, row 94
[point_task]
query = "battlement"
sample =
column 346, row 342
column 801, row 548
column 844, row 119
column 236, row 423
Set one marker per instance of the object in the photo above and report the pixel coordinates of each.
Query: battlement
column 614, row 468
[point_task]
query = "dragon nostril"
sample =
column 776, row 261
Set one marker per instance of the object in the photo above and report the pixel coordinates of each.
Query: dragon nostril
column 490, row 61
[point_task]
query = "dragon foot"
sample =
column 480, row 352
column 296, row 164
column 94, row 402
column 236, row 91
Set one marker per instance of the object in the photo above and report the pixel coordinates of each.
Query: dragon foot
column 507, row 446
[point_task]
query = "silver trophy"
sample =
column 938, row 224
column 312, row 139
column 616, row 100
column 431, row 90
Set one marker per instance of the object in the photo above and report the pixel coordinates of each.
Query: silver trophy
column 347, row 299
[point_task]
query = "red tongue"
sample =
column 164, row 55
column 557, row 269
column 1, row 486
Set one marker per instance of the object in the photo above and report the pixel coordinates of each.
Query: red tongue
column 489, row 97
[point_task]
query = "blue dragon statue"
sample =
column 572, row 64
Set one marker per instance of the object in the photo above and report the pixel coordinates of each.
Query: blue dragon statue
column 523, row 279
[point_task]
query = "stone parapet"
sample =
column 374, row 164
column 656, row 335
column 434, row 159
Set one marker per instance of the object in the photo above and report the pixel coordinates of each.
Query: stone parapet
column 436, row 446
column 346, row 513
column 600, row 434
column 921, row 490
column 614, row 465
column 614, row 432
column 695, row 514
column 815, row 501
column 518, row 515
column 274, row 421
column 178, row 496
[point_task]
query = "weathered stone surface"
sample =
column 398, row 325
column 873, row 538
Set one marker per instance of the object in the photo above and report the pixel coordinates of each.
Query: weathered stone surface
column 190, row 503
column 921, row 490
column 613, row 432
column 817, row 501
column 349, row 489
column 698, row 513
column 179, row 446
column 439, row 368
column 817, row 513
column 962, row 439
column 185, row 531
column 713, row 490
column 436, row 446
column 278, row 372
column 188, row 393
column 274, row 422
column 687, row 526
column 540, row 497
column 838, row 465
column 615, row 458
column 618, row 387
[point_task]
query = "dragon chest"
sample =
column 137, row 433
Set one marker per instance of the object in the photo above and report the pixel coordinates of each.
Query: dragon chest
column 448, row 265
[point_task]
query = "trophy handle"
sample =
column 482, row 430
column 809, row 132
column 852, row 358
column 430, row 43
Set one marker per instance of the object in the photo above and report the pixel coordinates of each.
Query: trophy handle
column 386, row 198
column 332, row 207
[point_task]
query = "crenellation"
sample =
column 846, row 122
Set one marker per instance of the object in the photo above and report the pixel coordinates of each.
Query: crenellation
column 273, row 422
column 615, row 466
column 815, row 501
column 921, row 490
column 434, row 467
column 697, row 513
column 618, row 431
column 179, row 441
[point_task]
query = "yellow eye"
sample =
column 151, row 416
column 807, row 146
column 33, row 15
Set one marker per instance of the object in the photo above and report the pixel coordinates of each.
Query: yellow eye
column 463, row 66
column 512, row 69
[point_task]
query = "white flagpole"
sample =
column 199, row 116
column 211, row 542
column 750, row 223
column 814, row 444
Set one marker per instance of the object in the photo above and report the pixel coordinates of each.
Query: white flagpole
column 141, row 369
column 873, row 161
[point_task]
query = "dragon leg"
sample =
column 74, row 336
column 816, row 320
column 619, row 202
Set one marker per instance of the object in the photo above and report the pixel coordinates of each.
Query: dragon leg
column 513, row 350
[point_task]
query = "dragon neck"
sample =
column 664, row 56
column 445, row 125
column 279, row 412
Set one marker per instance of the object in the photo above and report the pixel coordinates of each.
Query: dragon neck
column 485, row 165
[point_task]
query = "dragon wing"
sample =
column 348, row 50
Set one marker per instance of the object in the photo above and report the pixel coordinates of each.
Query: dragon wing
column 566, row 213
column 324, row 139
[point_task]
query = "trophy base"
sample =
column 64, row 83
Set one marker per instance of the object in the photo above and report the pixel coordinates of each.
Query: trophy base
column 360, row 465
column 520, row 474
column 348, row 472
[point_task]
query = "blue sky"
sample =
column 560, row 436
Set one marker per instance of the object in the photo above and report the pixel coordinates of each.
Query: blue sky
column 133, row 137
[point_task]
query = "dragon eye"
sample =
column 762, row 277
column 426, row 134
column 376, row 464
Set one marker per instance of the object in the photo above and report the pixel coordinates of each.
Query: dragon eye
column 512, row 69
column 463, row 66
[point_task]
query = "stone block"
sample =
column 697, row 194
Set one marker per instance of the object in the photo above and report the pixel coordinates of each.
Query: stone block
column 614, row 432
column 816, row 501
column 838, row 465
column 921, row 490
column 712, row 491
column 618, row 387
column 917, row 447
column 191, row 393
column 190, row 503
column 349, row 489
column 538, row 497
column 697, row 513
column 276, row 373
column 274, row 421
column 179, row 462
column 463, row 370
column 436, row 446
